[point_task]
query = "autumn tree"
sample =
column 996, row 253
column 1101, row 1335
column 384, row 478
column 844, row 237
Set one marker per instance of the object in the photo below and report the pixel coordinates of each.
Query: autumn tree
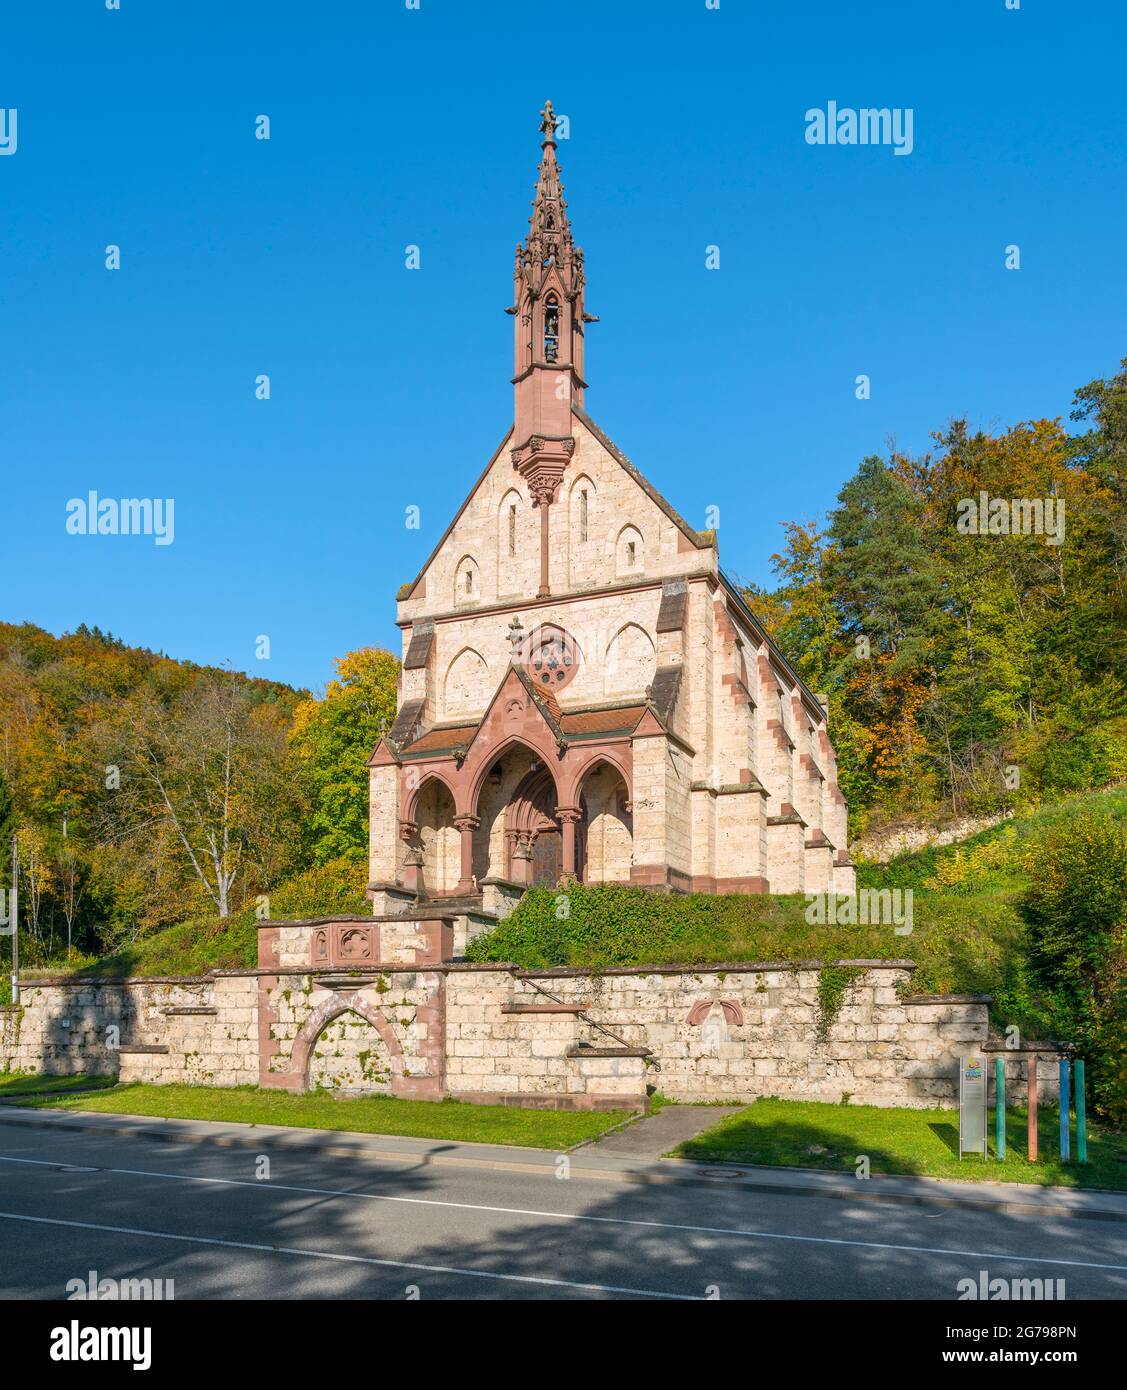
column 333, row 739
column 209, row 770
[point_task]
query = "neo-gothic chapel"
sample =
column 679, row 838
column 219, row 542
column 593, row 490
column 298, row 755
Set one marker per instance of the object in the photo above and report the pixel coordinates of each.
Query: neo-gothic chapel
column 584, row 694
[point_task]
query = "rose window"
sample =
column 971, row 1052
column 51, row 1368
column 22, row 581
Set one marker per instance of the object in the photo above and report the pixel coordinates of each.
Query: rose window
column 553, row 659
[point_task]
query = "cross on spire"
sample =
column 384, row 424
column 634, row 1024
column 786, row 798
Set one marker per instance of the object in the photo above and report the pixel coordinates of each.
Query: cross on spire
column 548, row 122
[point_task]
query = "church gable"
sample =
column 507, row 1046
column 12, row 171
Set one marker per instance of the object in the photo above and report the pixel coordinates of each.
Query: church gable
column 607, row 528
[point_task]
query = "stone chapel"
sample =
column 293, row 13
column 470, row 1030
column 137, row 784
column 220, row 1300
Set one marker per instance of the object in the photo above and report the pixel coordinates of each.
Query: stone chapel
column 584, row 694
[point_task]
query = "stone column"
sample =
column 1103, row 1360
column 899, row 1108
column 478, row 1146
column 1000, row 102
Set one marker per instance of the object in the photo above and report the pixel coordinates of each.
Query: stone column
column 543, row 499
column 568, row 816
column 466, row 825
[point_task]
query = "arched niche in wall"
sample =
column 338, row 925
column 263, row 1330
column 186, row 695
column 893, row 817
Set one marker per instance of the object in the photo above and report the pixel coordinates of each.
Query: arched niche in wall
column 466, row 687
column 630, row 661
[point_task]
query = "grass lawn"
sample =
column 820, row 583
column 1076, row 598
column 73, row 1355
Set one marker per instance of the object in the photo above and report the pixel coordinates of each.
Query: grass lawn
column 813, row 1134
column 20, row 1083
column 419, row 1119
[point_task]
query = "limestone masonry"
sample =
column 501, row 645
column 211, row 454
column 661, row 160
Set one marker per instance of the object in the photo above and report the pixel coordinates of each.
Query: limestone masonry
column 376, row 1006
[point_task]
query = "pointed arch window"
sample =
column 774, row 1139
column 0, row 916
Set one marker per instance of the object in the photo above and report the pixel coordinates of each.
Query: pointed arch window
column 512, row 528
column 551, row 329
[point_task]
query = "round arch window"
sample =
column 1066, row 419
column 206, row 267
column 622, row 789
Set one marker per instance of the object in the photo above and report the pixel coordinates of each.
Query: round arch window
column 552, row 658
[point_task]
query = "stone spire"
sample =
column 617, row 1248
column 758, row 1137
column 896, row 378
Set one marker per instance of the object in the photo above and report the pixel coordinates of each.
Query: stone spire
column 549, row 237
column 549, row 319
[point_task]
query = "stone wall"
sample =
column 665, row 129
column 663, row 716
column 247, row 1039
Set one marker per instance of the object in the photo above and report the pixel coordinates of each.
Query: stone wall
column 199, row 1030
column 406, row 1020
column 722, row 1034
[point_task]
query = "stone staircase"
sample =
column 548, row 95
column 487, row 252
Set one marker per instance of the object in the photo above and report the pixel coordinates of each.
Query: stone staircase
column 609, row 1065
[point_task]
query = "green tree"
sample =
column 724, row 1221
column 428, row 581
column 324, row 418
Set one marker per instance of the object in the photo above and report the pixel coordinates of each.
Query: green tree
column 882, row 576
column 333, row 739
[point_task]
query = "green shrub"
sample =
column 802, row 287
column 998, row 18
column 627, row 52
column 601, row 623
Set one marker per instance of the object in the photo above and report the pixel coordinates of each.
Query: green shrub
column 597, row 926
column 1076, row 910
column 338, row 886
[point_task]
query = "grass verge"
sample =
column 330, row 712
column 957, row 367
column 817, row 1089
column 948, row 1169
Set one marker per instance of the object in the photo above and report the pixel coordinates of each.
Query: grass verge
column 21, row 1083
column 922, row 1143
column 419, row 1119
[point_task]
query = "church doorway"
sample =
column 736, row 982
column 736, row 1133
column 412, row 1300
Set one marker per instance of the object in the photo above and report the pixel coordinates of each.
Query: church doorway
column 533, row 831
column 547, row 858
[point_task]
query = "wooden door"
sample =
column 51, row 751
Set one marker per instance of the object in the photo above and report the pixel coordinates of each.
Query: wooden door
column 547, row 859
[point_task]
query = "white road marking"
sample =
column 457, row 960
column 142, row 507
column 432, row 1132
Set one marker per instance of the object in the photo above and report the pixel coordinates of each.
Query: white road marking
column 580, row 1216
column 349, row 1259
column 48, row 1163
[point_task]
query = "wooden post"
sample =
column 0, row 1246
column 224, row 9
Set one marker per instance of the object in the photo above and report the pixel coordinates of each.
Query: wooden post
column 1000, row 1108
column 1065, row 1115
column 1081, row 1117
column 1031, row 1067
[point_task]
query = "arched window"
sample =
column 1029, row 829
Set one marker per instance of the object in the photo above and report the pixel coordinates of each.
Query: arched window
column 630, row 551
column 467, row 585
column 512, row 516
column 583, row 503
column 551, row 328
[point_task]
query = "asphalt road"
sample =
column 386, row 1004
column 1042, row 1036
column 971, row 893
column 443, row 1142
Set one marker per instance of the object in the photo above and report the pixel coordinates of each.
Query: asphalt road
column 321, row 1227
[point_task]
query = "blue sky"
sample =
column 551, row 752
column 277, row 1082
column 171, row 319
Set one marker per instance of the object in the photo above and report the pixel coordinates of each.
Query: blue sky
column 731, row 388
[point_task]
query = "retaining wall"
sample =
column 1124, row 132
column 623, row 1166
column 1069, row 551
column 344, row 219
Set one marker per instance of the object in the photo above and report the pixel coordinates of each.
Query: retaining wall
column 376, row 1006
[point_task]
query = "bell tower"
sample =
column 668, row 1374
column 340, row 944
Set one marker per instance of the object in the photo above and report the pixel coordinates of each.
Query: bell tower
column 549, row 322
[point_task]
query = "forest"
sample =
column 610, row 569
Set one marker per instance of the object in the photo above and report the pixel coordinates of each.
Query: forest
column 969, row 671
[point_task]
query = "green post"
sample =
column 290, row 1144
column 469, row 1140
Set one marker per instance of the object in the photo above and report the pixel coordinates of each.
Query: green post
column 1065, row 1117
column 1081, row 1117
column 1000, row 1108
